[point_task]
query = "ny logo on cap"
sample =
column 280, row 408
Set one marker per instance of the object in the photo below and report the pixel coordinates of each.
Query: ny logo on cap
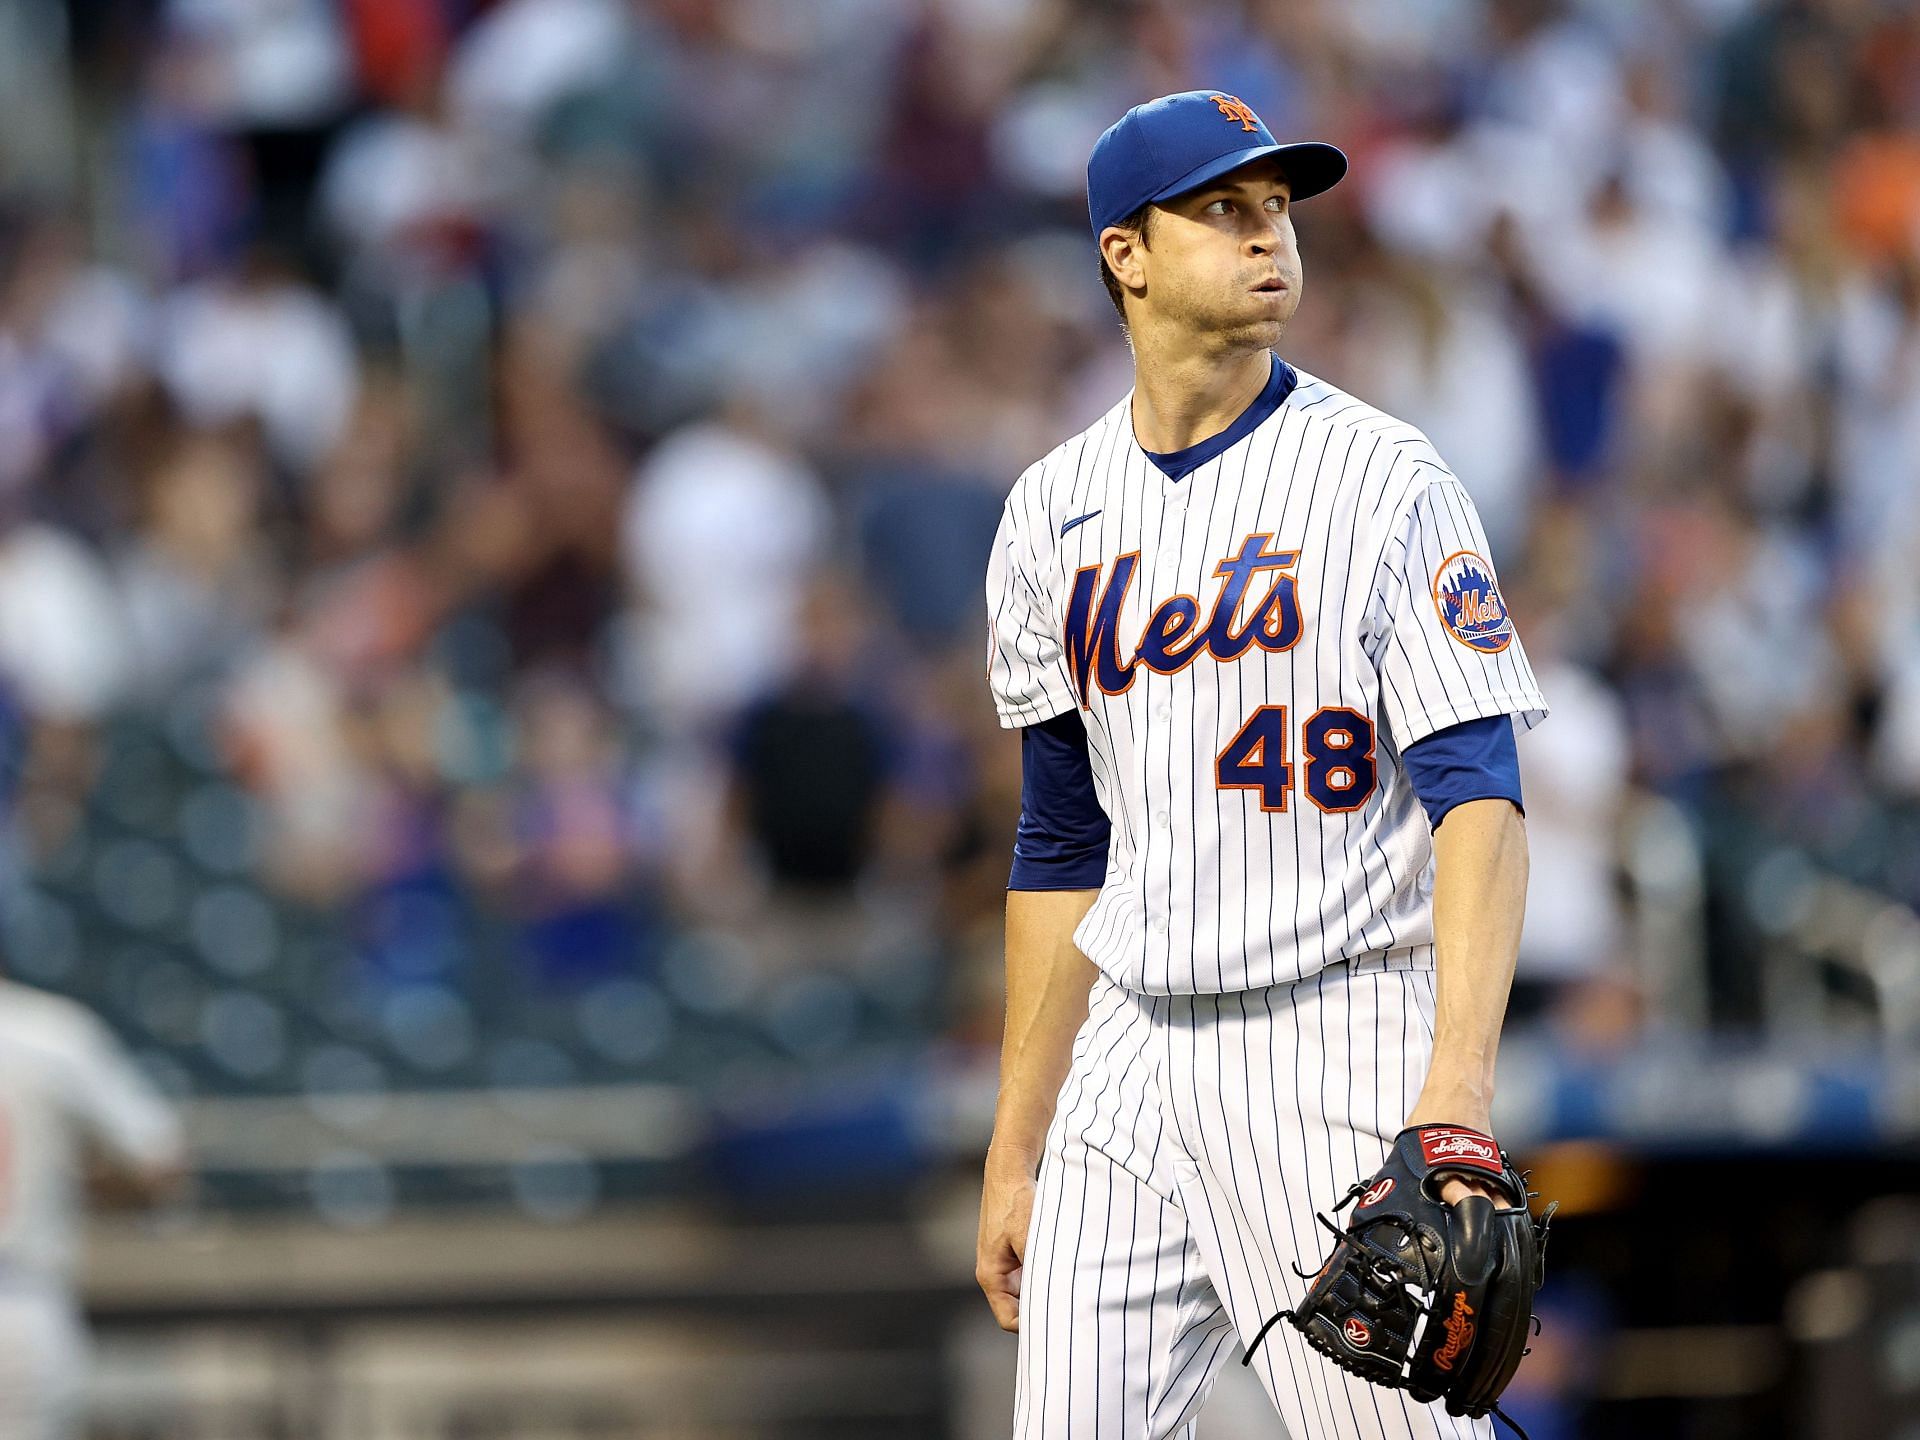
column 1234, row 108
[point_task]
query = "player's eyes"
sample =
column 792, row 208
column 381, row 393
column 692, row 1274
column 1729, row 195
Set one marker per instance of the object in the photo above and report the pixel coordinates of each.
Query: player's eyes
column 1275, row 203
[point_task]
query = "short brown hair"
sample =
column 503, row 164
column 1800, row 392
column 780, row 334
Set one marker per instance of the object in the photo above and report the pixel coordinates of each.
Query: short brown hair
column 1137, row 222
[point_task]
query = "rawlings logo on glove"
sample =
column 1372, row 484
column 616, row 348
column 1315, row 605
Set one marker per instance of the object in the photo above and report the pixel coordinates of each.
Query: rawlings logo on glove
column 1461, row 1147
column 1423, row 1296
column 1459, row 1329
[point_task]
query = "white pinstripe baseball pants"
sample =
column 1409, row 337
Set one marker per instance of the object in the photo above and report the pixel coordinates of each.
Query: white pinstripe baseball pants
column 1193, row 1139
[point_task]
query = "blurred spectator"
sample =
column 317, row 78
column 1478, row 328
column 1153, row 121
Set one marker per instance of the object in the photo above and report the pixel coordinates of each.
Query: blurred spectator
column 1575, row 784
column 62, row 643
column 196, row 583
column 260, row 344
column 522, row 56
column 813, row 800
column 581, row 847
column 722, row 528
column 1453, row 364
column 811, row 757
column 274, row 67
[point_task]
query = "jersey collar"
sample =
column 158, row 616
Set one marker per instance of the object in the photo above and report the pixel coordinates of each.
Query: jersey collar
column 1178, row 464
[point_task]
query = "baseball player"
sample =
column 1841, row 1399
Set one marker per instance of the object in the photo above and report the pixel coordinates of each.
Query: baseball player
column 69, row 1098
column 1268, row 880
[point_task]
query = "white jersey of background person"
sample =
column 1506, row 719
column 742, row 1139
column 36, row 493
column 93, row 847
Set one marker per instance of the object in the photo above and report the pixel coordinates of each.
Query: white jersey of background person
column 68, row 1093
column 1262, row 824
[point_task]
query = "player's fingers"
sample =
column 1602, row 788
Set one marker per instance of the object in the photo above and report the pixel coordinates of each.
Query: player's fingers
column 1003, row 1298
column 998, row 1275
column 1455, row 1188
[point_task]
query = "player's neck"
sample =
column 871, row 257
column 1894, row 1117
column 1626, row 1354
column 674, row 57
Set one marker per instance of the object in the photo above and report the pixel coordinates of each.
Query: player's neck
column 1182, row 399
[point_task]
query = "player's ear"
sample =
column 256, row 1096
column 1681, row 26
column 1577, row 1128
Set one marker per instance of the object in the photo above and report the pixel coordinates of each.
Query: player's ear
column 1120, row 248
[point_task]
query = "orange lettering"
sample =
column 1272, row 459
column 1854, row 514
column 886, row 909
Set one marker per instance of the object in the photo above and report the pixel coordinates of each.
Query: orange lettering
column 1459, row 1327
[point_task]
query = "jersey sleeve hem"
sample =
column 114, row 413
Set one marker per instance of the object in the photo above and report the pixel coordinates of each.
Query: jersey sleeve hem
column 1527, row 707
column 1016, row 714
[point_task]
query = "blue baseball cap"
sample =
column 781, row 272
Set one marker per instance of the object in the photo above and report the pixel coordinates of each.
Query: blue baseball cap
column 1178, row 143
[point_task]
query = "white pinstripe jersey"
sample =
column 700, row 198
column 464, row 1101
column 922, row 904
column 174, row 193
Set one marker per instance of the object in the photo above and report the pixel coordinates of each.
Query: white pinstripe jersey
column 65, row 1084
column 1252, row 647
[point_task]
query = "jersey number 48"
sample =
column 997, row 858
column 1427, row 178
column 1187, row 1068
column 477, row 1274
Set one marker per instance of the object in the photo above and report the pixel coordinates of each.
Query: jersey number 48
column 1338, row 745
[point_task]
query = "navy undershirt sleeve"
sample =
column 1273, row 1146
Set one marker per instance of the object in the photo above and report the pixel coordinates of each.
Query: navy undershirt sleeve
column 1062, row 840
column 1475, row 760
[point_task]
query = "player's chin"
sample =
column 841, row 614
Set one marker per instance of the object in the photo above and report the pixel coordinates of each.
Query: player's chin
column 1265, row 310
column 1256, row 330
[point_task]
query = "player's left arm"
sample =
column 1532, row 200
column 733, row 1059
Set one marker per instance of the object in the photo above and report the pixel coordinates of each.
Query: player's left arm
column 1479, row 897
column 136, row 1153
column 1455, row 681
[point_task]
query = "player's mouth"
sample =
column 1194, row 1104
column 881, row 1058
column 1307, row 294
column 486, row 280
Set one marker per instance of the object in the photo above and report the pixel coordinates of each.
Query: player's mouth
column 1272, row 285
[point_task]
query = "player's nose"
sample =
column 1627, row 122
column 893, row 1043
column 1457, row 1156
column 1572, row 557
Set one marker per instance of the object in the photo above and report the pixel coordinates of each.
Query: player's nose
column 1263, row 237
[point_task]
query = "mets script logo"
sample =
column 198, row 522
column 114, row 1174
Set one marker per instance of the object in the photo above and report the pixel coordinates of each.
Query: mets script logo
column 1234, row 108
column 1359, row 1334
column 1377, row 1192
column 1470, row 603
column 1459, row 1326
column 1174, row 636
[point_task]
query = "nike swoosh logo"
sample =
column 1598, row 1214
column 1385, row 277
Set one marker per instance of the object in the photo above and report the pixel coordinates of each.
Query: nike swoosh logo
column 1081, row 521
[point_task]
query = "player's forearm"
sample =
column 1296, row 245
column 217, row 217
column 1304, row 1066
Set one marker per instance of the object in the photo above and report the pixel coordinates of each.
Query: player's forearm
column 1479, row 899
column 1048, row 981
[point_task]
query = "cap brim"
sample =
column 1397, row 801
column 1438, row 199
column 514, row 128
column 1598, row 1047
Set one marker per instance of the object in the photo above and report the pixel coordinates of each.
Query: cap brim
column 1311, row 167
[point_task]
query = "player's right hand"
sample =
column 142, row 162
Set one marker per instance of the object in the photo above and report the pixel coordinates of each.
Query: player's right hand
column 1006, row 1206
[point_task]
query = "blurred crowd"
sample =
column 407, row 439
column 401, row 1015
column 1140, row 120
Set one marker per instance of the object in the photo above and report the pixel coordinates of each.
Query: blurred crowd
column 550, row 447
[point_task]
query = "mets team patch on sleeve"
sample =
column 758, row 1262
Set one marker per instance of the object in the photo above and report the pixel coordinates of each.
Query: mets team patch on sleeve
column 1470, row 603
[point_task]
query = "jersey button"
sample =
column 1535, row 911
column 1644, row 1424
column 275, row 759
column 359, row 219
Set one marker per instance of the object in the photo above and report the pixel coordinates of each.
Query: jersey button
column 1160, row 819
